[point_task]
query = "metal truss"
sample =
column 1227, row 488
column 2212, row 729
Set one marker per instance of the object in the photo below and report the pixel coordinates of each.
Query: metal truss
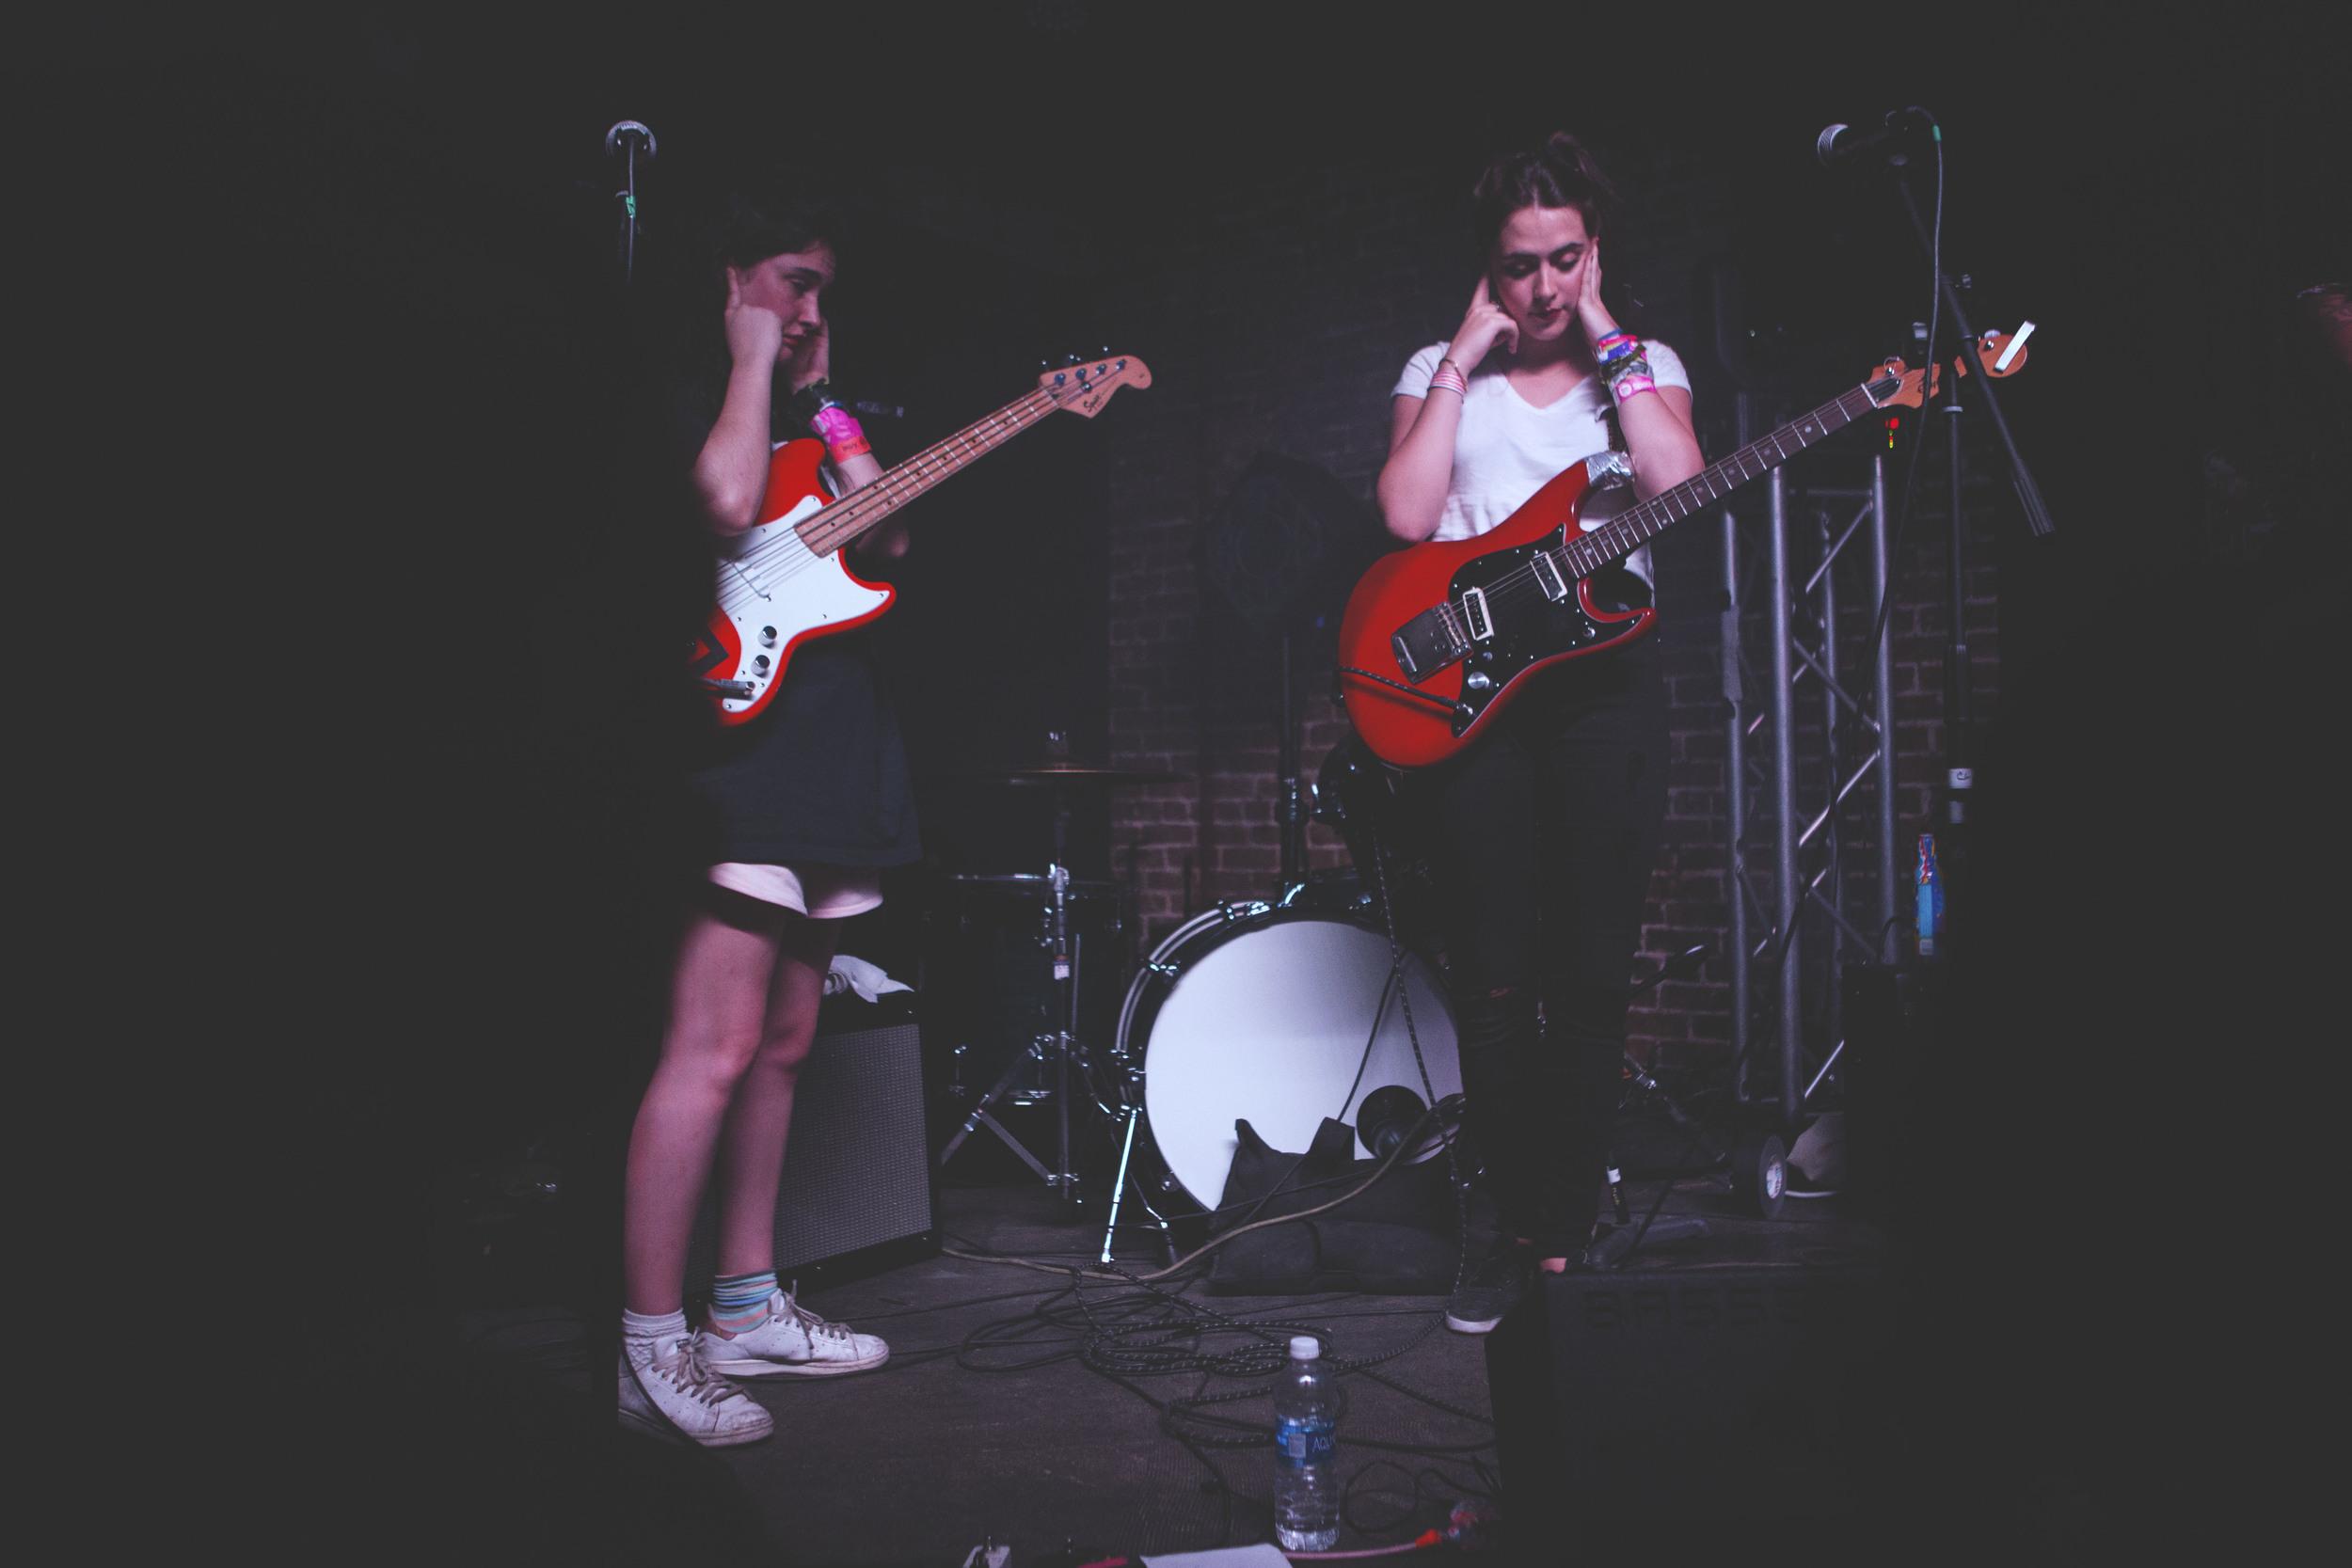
column 1800, row 892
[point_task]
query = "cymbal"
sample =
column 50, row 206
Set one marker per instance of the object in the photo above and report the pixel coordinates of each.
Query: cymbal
column 1059, row 771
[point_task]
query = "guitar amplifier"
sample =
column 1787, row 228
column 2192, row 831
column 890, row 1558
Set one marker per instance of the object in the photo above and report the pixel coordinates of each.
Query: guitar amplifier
column 1729, row 1395
column 856, row 1191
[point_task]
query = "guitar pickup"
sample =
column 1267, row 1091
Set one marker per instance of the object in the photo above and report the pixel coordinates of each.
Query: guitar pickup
column 1547, row 576
column 1474, row 614
column 728, row 689
column 1428, row 642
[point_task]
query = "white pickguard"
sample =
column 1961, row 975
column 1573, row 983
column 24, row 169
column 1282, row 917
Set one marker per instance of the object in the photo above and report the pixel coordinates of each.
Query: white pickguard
column 774, row 588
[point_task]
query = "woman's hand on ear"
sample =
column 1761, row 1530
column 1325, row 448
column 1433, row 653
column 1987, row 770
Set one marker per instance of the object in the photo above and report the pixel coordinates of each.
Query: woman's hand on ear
column 754, row 333
column 1485, row 324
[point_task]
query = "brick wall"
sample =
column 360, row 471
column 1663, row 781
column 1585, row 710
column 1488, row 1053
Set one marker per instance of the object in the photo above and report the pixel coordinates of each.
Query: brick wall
column 1277, row 321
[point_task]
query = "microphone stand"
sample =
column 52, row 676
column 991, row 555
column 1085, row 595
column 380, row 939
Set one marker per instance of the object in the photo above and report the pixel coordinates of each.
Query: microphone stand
column 624, row 139
column 1959, row 769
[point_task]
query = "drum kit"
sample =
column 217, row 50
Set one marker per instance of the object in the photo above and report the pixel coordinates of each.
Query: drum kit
column 1280, row 1011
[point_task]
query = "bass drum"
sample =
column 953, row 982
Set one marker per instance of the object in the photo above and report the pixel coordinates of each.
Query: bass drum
column 1280, row 1017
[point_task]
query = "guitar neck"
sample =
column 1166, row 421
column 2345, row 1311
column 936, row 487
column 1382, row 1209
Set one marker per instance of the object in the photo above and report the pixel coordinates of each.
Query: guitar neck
column 828, row 530
column 1638, row 525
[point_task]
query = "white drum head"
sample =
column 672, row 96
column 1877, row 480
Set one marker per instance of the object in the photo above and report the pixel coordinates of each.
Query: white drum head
column 1270, row 1027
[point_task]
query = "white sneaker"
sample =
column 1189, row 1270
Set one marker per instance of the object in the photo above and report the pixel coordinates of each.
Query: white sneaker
column 669, row 1390
column 793, row 1342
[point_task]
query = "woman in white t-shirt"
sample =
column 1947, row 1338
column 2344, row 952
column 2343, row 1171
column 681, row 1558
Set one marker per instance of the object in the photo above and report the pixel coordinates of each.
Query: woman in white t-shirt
column 1544, row 832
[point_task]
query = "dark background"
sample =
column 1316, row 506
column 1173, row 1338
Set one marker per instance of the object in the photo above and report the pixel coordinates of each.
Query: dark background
column 346, row 286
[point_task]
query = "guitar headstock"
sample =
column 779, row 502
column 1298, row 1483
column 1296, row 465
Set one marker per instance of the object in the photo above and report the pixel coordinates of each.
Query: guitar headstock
column 1894, row 384
column 1989, row 349
column 1908, row 387
column 1083, row 385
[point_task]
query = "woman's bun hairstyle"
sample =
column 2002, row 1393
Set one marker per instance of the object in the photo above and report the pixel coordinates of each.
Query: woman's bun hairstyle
column 1560, row 173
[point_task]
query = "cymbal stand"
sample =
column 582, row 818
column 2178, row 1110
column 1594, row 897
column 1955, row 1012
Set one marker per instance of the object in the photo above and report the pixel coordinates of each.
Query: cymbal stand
column 1132, row 1115
column 1291, row 803
column 1060, row 1044
column 981, row 1117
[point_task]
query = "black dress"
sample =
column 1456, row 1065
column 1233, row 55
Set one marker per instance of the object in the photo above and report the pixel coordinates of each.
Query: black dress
column 820, row 776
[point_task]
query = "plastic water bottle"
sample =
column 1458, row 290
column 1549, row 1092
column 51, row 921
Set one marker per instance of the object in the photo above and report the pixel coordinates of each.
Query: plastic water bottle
column 1306, row 1453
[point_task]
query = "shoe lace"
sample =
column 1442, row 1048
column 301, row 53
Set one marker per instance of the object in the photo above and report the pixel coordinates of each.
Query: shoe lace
column 690, row 1375
column 811, row 1324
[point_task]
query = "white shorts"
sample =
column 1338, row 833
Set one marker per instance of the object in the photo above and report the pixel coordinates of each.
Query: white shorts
column 818, row 891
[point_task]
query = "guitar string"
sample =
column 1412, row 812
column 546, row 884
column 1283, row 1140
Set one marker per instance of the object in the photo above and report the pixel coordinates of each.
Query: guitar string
column 922, row 471
column 738, row 587
column 953, row 454
column 1591, row 550
column 845, row 518
column 1622, row 535
column 934, row 462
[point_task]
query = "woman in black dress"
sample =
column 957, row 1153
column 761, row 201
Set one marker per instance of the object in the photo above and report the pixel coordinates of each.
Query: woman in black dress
column 807, row 803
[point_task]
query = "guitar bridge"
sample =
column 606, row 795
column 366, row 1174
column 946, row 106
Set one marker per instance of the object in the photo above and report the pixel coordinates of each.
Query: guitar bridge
column 1428, row 642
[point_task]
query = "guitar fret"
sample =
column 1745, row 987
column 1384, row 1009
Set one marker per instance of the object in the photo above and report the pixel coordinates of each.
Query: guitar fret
column 854, row 514
column 1645, row 521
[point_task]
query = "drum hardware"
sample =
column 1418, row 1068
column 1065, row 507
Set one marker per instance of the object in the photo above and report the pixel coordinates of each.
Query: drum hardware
column 987, row 978
column 1053, row 1050
column 1386, row 1116
column 1132, row 1115
column 1062, row 1047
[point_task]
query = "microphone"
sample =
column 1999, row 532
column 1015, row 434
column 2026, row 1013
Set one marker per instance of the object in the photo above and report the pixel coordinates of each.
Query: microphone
column 1841, row 143
column 633, row 137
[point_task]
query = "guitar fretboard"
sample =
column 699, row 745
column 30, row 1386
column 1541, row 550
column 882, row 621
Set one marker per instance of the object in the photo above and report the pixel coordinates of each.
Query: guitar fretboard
column 1638, row 525
column 828, row 530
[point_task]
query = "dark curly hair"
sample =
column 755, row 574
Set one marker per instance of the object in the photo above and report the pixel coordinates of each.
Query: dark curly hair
column 755, row 222
column 1560, row 173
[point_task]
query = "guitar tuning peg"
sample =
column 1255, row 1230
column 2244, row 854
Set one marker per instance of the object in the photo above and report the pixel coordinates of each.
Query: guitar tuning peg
column 1069, row 359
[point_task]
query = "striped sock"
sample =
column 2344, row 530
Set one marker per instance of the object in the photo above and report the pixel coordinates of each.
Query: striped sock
column 740, row 1301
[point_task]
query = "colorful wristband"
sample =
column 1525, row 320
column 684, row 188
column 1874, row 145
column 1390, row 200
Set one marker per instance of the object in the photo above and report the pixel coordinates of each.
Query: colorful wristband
column 842, row 434
column 1449, row 376
column 1627, row 386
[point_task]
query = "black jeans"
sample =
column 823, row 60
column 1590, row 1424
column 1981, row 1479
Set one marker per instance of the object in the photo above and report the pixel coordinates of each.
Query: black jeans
column 1543, row 837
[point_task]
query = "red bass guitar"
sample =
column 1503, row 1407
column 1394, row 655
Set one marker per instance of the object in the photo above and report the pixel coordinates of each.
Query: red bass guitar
column 783, row 582
column 1439, row 638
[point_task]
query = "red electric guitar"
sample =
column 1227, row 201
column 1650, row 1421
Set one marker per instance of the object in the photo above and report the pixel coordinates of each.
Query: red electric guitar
column 783, row 582
column 1439, row 637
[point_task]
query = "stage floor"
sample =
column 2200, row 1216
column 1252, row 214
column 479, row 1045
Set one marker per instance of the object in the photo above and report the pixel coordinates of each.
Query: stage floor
column 1074, row 1422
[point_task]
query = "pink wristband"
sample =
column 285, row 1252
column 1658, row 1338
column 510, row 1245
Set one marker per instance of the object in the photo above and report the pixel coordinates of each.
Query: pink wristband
column 844, row 437
column 1449, row 377
column 1627, row 386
